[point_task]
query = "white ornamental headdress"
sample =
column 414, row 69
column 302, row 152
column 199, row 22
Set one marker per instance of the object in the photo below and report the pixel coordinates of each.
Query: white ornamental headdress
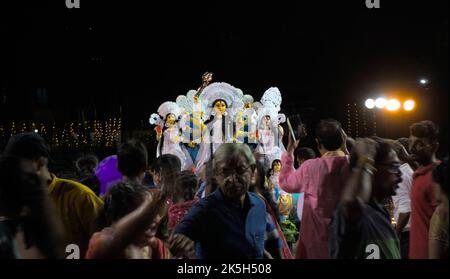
column 163, row 110
column 271, row 111
column 221, row 91
column 272, row 96
column 270, row 105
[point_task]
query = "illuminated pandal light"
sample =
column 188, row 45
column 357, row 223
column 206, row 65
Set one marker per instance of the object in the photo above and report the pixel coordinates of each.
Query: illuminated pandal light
column 393, row 105
column 370, row 103
column 409, row 105
column 380, row 103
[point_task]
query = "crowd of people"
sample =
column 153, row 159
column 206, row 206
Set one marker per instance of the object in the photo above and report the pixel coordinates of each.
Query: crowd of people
column 229, row 209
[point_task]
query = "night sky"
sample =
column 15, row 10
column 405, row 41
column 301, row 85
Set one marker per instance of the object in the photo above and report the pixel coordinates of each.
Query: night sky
column 105, row 56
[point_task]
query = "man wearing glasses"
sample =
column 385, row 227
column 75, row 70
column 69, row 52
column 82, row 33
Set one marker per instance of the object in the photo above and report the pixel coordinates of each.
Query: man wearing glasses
column 230, row 223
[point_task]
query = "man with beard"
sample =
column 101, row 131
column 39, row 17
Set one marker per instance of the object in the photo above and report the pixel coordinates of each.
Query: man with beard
column 423, row 146
column 229, row 223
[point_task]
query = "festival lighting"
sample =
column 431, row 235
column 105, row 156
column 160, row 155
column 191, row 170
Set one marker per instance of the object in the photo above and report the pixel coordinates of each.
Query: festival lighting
column 393, row 105
column 409, row 105
column 423, row 81
column 380, row 103
column 370, row 103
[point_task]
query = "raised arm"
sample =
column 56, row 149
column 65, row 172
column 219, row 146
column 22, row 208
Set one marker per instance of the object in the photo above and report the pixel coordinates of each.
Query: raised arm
column 357, row 191
column 288, row 178
column 126, row 228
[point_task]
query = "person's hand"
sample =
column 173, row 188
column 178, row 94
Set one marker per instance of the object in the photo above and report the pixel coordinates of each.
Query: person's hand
column 181, row 245
column 292, row 145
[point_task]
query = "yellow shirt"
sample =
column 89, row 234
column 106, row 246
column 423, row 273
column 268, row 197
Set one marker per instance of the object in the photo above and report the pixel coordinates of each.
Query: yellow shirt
column 77, row 206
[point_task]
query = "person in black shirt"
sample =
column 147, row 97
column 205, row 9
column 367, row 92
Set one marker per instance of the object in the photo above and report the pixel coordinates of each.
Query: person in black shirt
column 361, row 226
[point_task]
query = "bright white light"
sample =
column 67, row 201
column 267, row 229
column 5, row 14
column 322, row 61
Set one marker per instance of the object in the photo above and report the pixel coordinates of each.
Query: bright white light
column 380, row 103
column 423, row 81
column 393, row 104
column 370, row 103
column 409, row 105
column 36, row 130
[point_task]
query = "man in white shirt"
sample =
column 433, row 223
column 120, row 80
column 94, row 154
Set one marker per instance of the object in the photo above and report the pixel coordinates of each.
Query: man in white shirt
column 402, row 199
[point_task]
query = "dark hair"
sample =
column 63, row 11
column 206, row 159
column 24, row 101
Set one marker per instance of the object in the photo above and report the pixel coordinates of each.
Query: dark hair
column 120, row 200
column 270, row 171
column 440, row 175
column 265, row 191
column 132, row 158
column 28, row 146
column 168, row 166
column 425, row 129
column 329, row 134
column 21, row 188
column 86, row 164
column 405, row 142
column 187, row 185
column 382, row 151
column 305, row 153
column 167, row 162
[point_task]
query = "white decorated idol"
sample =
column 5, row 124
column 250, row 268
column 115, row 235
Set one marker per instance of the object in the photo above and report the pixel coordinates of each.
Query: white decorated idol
column 222, row 101
column 192, row 122
column 168, row 133
column 246, row 123
column 270, row 132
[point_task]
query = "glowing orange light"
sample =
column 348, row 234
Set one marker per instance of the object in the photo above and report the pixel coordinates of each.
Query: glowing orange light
column 409, row 105
column 393, row 105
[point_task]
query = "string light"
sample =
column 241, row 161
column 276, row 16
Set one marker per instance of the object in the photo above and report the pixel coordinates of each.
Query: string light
column 55, row 140
column 93, row 133
column 364, row 111
column 349, row 124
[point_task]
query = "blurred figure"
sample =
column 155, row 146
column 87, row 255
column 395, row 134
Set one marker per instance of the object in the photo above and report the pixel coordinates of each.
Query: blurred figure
column 276, row 243
column 405, row 142
column 76, row 204
column 85, row 169
column 302, row 154
column 402, row 199
column 132, row 161
column 166, row 172
column 29, row 228
column 182, row 199
column 128, row 223
column 322, row 181
column 361, row 226
column 438, row 233
column 423, row 146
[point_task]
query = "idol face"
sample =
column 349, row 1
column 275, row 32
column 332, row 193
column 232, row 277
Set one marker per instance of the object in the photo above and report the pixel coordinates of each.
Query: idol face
column 220, row 107
column 277, row 167
column 266, row 121
column 170, row 119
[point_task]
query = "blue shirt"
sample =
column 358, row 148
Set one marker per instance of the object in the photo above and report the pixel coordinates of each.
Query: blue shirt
column 223, row 229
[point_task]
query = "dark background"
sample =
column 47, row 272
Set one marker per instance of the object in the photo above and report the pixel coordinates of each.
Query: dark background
column 124, row 59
